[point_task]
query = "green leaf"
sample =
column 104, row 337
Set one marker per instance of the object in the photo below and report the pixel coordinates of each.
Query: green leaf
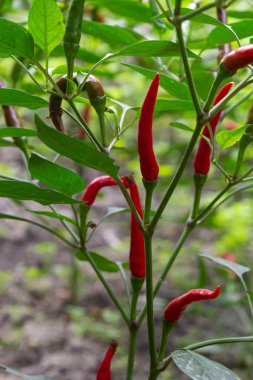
column 27, row 191
column 220, row 35
column 238, row 269
column 154, row 48
column 12, row 97
column 77, row 150
column 240, row 14
column 126, row 8
column 22, row 375
column 45, row 23
column 5, row 143
column 112, row 34
column 172, row 86
column 225, row 139
column 201, row 18
column 17, row 132
column 197, row 367
column 163, row 105
column 181, row 126
column 102, row 263
column 15, row 40
column 53, row 215
column 55, row 176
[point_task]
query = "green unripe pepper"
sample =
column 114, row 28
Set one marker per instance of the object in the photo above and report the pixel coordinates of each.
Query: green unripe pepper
column 73, row 33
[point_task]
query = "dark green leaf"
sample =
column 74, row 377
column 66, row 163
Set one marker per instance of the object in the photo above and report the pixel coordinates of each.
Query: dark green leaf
column 75, row 149
column 55, row 176
column 126, row 8
column 102, row 263
column 22, row 375
column 220, row 35
column 17, row 132
column 27, row 191
column 163, row 105
column 238, row 269
column 45, row 23
column 5, row 143
column 154, row 48
column 12, row 97
column 15, row 40
column 181, row 126
column 197, row 367
column 172, row 86
column 201, row 18
column 112, row 34
column 225, row 139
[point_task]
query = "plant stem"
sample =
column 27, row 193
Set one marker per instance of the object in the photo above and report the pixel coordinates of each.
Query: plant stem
column 166, row 329
column 177, row 8
column 66, row 226
column 211, row 342
column 28, row 72
column 86, row 128
column 106, row 285
column 236, row 104
column 101, row 118
column 131, row 353
column 149, row 300
column 186, row 232
column 188, row 16
column 188, row 74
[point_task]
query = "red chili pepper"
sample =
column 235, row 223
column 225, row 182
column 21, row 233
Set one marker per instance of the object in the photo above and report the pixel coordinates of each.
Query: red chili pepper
column 148, row 163
column 202, row 157
column 137, row 247
column 176, row 307
column 104, row 370
column 238, row 59
column 98, row 183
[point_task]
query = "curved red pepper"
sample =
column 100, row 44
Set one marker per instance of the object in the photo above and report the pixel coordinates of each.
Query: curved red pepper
column 148, row 163
column 137, row 248
column 238, row 59
column 202, row 160
column 98, row 183
column 104, row 370
column 176, row 307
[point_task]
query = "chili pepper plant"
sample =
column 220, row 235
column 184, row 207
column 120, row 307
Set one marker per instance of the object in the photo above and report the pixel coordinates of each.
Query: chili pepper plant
column 59, row 98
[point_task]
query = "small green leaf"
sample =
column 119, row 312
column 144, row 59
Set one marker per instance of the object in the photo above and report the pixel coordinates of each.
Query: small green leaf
column 238, row 269
column 55, row 176
column 45, row 23
column 102, row 263
column 154, row 48
column 19, row 98
column 172, row 86
column 53, row 215
column 181, row 126
column 220, row 35
column 130, row 9
column 77, row 150
column 22, row 375
column 225, row 139
column 163, row 105
column 197, row 367
column 240, row 14
column 17, row 132
column 15, row 40
column 5, row 143
column 112, row 34
column 27, row 191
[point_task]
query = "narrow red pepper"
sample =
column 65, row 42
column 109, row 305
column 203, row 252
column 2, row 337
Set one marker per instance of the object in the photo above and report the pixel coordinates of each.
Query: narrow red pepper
column 148, row 163
column 238, row 59
column 104, row 370
column 202, row 160
column 176, row 307
column 98, row 183
column 137, row 248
